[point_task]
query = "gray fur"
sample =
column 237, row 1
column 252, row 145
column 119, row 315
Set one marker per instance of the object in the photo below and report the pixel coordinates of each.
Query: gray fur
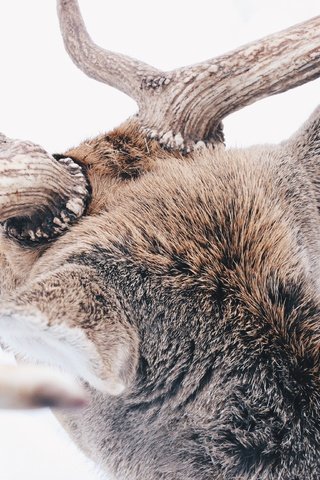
column 205, row 272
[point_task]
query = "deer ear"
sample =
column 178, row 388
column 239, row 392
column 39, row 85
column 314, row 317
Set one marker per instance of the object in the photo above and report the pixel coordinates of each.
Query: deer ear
column 30, row 336
column 305, row 143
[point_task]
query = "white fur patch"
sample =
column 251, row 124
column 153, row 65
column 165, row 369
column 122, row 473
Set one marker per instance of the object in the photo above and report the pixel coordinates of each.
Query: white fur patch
column 68, row 349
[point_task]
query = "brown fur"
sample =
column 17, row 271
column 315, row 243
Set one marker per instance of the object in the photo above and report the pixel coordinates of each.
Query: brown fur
column 197, row 280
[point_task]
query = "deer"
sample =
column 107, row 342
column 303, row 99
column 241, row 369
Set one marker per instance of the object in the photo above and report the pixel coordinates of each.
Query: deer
column 176, row 279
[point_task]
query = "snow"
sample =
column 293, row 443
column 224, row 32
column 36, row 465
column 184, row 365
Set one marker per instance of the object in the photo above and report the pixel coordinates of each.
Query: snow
column 34, row 445
column 44, row 98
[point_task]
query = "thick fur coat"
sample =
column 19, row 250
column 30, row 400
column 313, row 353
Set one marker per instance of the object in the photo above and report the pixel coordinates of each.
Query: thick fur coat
column 188, row 296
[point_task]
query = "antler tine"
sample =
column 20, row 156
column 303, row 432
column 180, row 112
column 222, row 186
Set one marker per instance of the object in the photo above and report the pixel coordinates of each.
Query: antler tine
column 114, row 69
column 207, row 92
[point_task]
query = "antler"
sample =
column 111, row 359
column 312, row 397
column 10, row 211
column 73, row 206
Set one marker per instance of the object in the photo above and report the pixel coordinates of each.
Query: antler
column 116, row 70
column 39, row 195
column 185, row 106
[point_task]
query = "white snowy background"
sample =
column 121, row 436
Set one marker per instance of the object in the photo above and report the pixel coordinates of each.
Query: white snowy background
column 44, row 98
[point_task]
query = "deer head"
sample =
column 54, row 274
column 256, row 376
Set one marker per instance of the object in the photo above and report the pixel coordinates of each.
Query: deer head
column 184, row 290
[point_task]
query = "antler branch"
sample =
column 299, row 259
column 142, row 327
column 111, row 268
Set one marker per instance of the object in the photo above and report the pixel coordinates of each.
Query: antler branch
column 206, row 93
column 116, row 70
column 186, row 106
